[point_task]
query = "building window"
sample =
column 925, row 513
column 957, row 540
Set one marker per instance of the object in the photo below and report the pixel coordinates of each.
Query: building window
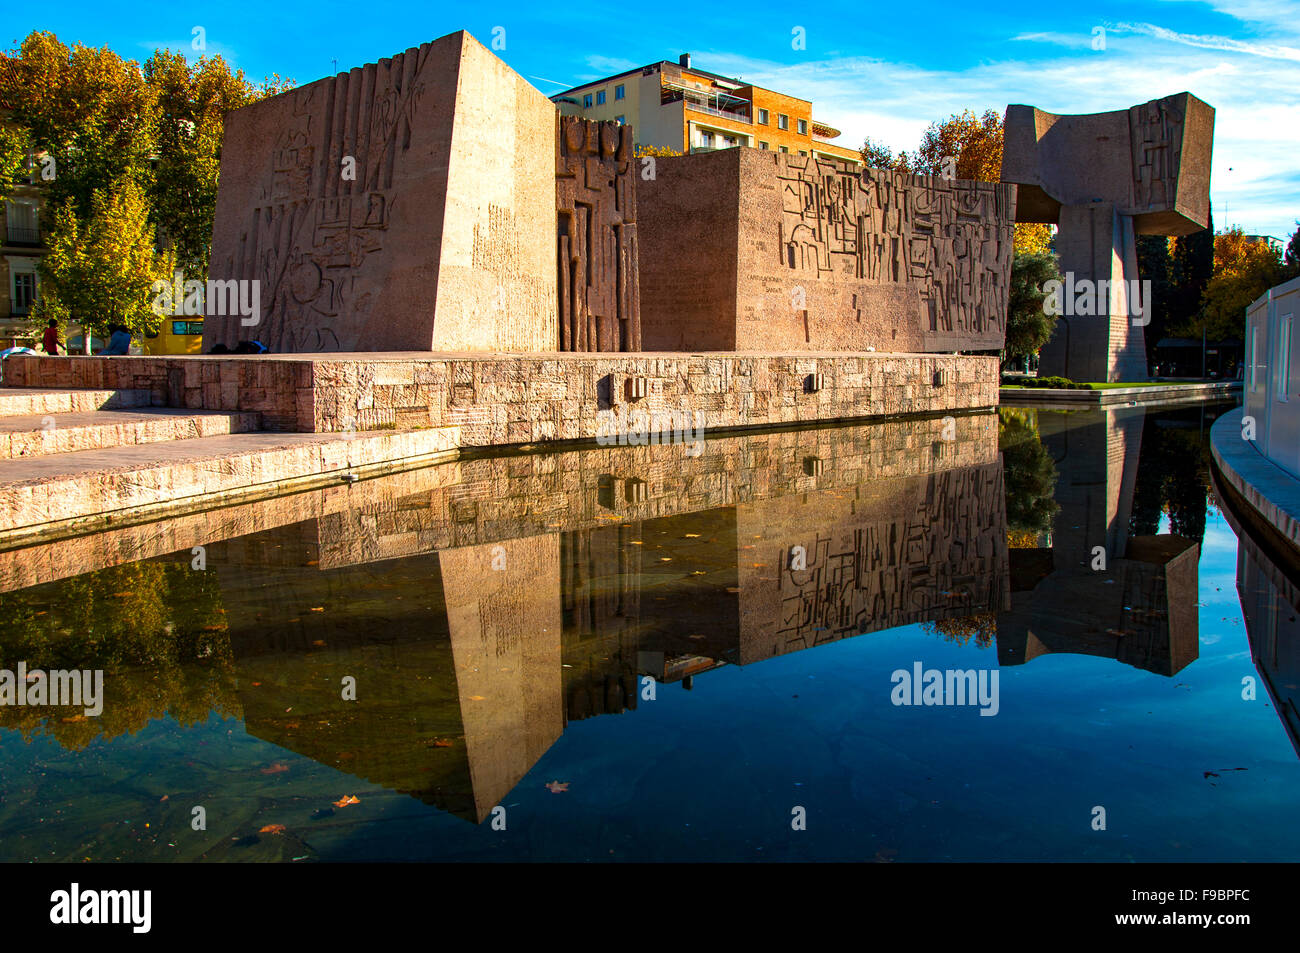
column 586, row 101
column 728, row 141
column 1253, row 356
column 802, row 152
column 20, row 223
column 600, row 98
column 762, row 145
column 619, row 91
column 620, row 119
column 782, row 121
column 803, row 127
column 22, row 285
column 783, row 148
column 1283, row 364
column 762, row 117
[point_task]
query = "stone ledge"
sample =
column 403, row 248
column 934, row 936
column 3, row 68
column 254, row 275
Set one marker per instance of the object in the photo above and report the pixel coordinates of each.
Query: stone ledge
column 69, row 493
column 1271, row 491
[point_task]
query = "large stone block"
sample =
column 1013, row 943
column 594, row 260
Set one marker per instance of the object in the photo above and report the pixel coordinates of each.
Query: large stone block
column 1104, row 178
column 743, row 249
column 405, row 205
column 1151, row 161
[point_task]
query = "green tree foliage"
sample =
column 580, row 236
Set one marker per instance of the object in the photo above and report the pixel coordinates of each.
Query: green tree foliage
column 191, row 105
column 877, row 155
column 1244, row 268
column 1029, row 326
column 14, row 151
column 1157, row 266
column 1291, row 260
column 101, row 271
column 1191, row 270
column 120, row 134
column 1030, row 473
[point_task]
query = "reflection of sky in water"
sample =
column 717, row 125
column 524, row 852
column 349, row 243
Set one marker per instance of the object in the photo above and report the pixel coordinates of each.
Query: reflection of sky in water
column 714, row 772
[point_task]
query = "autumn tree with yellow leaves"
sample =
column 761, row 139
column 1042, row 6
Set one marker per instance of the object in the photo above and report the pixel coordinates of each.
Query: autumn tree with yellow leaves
column 134, row 153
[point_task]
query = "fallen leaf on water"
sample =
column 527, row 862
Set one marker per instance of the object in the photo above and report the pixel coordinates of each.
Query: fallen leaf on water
column 477, row 698
column 692, row 535
column 275, row 768
column 272, row 829
column 318, row 643
column 556, row 787
column 347, row 799
column 73, row 718
column 313, row 562
column 163, row 798
column 317, row 608
column 442, row 743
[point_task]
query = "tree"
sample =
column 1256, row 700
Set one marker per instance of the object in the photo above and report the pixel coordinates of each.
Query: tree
column 1030, row 473
column 1029, row 326
column 973, row 143
column 1291, row 261
column 191, row 105
column 14, row 151
column 1244, row 268
column 1032, row 238
column 1156, row 265
column 876, row 155
column 1191, row 269
column 102, row 271
column 136, row 153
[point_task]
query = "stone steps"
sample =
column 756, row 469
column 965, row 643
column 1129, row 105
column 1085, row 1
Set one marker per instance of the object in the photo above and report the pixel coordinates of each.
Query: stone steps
column 28, row 401
column 32, row 435
column 59, row 494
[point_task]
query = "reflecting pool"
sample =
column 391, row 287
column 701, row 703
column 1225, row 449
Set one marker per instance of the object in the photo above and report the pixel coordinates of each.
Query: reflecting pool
column 644, row 653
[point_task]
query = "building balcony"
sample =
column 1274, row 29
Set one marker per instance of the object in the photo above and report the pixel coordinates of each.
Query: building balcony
column 733, row 115
column 18, row 235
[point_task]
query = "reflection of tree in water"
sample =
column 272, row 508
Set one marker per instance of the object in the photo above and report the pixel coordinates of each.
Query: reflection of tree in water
column 1029, row 472
column 1173, row 478
column 157, row 630
column 981, row 627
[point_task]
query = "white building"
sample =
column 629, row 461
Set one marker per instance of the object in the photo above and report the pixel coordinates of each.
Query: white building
column 1272, row 392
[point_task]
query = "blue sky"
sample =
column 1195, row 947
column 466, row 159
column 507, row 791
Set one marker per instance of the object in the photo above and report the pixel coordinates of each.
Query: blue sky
column 883, row 70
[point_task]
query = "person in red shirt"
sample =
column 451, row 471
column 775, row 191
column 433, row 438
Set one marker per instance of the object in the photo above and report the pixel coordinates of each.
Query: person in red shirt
column 51, row 339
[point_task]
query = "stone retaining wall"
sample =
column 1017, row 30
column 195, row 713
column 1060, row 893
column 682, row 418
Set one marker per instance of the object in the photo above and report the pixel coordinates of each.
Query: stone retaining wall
column 499, row 400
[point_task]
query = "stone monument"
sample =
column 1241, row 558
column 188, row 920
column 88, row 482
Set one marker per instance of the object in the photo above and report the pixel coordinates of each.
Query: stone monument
column 744, row 249
column 1104, row 178
column 405, row 205
column 595, row 202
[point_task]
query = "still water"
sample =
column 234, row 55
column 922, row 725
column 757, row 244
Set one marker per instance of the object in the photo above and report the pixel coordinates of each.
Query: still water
column 639, row 654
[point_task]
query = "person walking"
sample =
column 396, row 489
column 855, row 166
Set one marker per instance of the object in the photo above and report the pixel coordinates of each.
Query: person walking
column 50, row 340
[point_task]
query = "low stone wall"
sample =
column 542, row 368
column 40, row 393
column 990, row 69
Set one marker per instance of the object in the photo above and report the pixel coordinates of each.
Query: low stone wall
column 498, row 400
column 1273, row 493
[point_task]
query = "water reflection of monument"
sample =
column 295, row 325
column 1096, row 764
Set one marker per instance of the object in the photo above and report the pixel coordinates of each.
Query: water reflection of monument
column 471, row 658
column 1139, row 609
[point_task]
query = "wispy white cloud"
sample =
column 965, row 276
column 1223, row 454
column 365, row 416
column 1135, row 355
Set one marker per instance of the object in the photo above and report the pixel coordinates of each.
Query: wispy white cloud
column 1226, row 44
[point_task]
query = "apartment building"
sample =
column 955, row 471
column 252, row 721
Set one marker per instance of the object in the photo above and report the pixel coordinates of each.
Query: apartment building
column 676, row 106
